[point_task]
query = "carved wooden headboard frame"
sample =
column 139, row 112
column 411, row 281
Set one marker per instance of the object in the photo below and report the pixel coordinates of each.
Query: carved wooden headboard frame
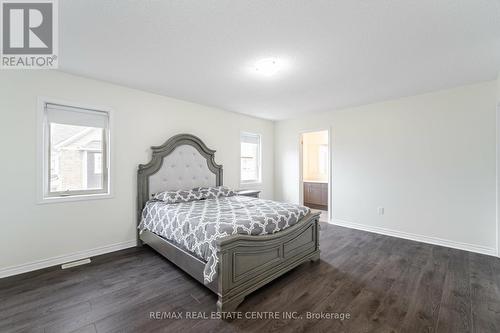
column 159, row 153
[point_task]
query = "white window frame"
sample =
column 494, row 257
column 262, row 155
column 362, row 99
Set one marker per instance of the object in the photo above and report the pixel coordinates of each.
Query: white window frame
column 43, row 156
column 259, row 160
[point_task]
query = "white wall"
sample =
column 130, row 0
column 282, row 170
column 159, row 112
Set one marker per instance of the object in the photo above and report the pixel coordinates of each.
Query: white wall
column 428, row 159
column 38, row 234
column 498, row 87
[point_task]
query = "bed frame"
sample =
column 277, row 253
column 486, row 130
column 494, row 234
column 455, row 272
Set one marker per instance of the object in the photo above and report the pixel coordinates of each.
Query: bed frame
column 246, row 262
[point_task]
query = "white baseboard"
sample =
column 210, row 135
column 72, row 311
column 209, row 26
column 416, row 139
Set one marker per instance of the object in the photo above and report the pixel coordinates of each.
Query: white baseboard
column 44, row 263
column 419, row 238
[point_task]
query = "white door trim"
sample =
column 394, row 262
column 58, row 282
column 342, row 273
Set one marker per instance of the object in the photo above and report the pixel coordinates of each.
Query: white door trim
column 498, row 181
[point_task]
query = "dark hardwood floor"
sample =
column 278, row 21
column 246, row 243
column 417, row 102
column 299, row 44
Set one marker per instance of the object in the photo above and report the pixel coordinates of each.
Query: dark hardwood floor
column 385, row 284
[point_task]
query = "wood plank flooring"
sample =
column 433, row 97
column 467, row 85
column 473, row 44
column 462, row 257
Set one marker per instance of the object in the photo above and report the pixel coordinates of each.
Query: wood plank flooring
column 385, row 284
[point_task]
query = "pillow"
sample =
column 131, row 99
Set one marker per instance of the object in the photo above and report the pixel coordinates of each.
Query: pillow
column 172, row 197
column 216, row 192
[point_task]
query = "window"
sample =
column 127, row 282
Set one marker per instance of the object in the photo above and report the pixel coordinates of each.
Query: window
column 75, row 152
column 250, row 158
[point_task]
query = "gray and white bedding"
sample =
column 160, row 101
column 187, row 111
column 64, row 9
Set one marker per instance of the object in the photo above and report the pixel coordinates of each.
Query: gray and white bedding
column 196, row 225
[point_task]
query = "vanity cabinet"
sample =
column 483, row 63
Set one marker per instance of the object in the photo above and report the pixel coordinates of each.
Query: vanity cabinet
column 316, row 195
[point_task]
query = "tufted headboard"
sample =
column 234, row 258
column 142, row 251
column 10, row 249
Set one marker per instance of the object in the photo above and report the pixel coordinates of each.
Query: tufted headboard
column 181, row 163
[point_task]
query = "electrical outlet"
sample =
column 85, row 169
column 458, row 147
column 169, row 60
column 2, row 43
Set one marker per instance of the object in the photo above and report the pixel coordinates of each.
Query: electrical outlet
column 380, row 210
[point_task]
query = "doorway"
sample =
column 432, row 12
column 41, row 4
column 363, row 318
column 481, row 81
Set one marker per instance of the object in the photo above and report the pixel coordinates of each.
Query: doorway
column 315, row 172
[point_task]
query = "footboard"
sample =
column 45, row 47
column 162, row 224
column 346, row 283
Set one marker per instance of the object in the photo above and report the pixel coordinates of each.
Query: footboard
column 246, row 263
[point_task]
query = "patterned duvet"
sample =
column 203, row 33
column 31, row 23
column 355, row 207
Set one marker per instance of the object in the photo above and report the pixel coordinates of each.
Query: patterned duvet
column 196, row 225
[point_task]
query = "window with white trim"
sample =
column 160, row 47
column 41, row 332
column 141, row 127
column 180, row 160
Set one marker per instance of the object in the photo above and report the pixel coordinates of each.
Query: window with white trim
column 250, row 158
column 75, row 151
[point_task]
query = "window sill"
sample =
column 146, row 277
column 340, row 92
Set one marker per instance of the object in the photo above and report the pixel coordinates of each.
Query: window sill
column 72, row 198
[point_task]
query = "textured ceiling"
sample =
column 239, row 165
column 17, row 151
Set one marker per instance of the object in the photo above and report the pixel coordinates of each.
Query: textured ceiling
column 338, row 53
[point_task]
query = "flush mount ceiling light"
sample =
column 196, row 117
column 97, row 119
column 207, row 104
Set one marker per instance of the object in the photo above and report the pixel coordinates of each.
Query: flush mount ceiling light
column 268, row 66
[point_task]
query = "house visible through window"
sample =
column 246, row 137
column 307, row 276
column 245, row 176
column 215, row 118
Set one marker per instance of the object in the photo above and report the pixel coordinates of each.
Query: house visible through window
column 76, row 151
column 250, row 158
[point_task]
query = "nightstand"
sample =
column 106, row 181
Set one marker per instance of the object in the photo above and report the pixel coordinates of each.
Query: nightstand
column 249, row 193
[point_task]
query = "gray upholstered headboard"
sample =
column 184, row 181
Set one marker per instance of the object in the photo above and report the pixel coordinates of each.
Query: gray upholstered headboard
column 181, row 163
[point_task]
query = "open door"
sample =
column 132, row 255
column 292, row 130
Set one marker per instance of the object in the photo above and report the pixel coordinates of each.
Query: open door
column 315, row 170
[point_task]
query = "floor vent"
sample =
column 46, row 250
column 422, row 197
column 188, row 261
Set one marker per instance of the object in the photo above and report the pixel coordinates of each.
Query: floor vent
column 75, row 263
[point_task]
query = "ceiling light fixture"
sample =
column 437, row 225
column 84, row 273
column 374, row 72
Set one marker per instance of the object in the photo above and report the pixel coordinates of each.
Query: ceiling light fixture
column 268, row 66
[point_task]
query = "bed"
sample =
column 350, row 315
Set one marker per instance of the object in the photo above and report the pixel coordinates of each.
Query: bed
column 243, row 263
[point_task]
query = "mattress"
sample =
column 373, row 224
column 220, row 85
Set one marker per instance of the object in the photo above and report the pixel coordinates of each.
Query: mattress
column 197, row 225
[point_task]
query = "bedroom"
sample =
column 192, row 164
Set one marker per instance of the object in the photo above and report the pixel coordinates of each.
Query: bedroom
column 408, row 92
